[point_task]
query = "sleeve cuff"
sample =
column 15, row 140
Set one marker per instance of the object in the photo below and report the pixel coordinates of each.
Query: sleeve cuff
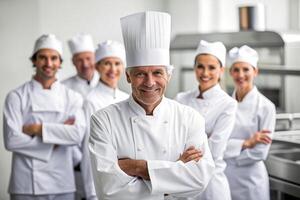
column 234, row 148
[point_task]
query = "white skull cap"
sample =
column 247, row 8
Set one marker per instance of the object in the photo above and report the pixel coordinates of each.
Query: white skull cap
column 216, row 49
column 81, row 43
column 110, row 48
column 146, row 38
column 243, row 54
column 48, row 41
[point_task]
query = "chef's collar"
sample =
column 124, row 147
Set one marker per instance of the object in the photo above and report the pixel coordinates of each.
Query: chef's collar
column 91, row 83
column 208, row 93
column 107, row 89
column 249, row 96
column 139, row 110
column 38, row 85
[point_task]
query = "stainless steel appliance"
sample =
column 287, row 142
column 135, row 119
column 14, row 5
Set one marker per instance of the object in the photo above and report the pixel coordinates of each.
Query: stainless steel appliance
column 279, row 63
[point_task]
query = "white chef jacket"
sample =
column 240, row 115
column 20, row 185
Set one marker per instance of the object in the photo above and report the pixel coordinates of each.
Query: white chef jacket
column 84, row 87
column 218, row 110
column 81, row 85
column 37, row 166
column 246, row 172
column 123, row 130
column 100, row 97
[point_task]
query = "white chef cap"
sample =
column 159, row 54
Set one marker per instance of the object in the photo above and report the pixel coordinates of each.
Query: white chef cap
column 81, row 43
column 216, row 49
column 146, row 38
column 110, row 48
column 243, row 54
column 48, row 41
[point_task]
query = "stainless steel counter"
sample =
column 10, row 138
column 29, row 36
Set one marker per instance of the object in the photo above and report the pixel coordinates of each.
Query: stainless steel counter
column 283, row 165
column 292, row 137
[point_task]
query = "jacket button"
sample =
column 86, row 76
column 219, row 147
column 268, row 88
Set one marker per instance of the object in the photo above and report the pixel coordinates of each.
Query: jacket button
column 139, row 149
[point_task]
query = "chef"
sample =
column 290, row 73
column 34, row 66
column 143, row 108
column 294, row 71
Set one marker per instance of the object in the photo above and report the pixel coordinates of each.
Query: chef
column 217, row 108
column 148, row 146
column 42, row 121
column 83, row 58
column 250, row 140
column 110, row 61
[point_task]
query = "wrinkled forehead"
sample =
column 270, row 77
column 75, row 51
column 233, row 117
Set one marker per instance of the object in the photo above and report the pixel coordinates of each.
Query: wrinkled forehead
column 84, row 54
column 148, row 68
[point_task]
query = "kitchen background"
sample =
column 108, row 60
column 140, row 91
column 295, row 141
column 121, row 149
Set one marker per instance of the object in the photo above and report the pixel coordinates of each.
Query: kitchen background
column 21, row 22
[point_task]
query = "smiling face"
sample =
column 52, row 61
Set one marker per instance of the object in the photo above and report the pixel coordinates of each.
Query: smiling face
column 243, row 75
column 148, row 84
column 47, row 63
column 208, row 71
column 110, row 70
column 84, row 63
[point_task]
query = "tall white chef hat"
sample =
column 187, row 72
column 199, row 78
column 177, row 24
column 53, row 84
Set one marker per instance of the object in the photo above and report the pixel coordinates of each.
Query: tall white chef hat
column 216, row 49
column 81, row 43
column 243, row 54
column 48, row 41
column 110, row 48
column 146, row 38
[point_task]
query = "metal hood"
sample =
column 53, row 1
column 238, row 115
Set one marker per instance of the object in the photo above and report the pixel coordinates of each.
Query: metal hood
column 255, row 39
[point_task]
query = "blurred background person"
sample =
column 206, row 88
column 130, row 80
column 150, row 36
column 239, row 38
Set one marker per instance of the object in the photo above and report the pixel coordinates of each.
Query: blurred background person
column 217, row 108
column 250, row 140
column 110, row 61
column 83, row 58
column 43, row 119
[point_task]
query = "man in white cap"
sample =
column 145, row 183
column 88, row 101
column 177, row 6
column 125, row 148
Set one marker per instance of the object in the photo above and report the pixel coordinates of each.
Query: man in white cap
column 147, row 146
column 110, row 61
column 42, row 120
column 83, row 58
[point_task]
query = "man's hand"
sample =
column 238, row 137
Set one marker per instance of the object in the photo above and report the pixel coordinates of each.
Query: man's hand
column 262, row 137
column 136, row 168
column 33, row 129
column 191, row 153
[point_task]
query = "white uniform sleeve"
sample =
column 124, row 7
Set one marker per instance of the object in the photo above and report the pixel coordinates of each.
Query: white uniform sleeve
column 110, row 181
column 184, row 179
column 63, row 134
column 86, row 170
column 221, row 132
column 17, row 141
column 266, row 121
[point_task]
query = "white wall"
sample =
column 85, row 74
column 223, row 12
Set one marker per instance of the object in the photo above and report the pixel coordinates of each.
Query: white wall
column 17, row 31
column 21, row 22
